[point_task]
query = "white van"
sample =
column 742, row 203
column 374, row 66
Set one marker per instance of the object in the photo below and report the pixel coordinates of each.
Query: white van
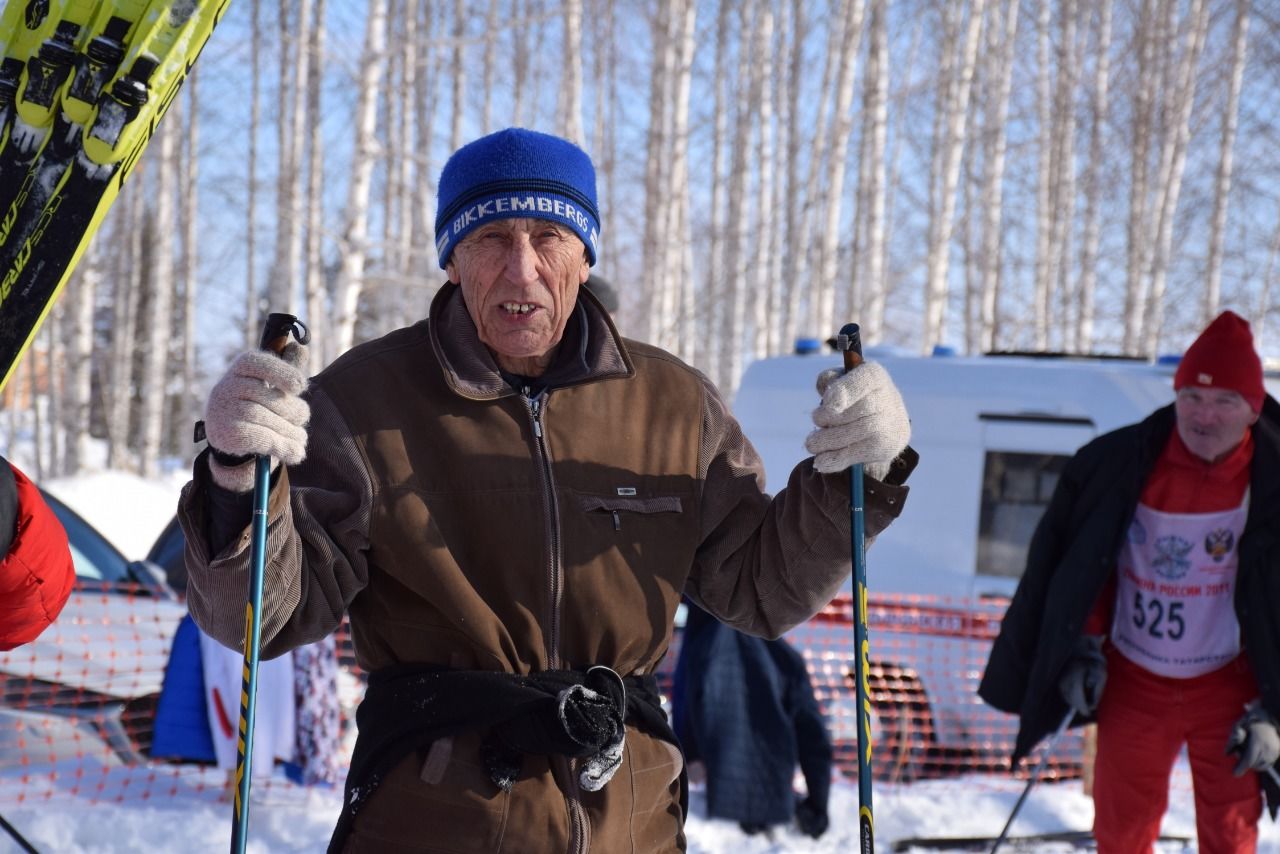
column 993, row 433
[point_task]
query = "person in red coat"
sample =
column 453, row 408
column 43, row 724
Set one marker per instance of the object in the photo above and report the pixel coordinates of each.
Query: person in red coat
column 36, row 572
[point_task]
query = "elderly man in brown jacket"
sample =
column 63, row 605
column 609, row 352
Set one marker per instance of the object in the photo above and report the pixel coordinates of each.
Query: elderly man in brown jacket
column 509, row 498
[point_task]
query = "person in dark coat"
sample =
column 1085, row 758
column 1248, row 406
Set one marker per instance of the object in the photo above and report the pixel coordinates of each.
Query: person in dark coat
column 745, row 708
column 1151, row 604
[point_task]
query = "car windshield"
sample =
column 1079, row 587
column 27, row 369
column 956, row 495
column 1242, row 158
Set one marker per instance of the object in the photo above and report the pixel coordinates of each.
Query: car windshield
column 94, row 556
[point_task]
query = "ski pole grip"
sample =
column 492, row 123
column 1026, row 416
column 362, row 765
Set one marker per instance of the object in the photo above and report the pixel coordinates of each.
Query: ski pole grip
column 276, row 331
column 849, row 342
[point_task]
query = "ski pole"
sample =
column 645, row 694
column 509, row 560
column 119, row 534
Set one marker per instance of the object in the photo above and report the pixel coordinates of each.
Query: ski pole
column 17, row 837
column 275, row 335
column 1035, row 774
column 849, row 342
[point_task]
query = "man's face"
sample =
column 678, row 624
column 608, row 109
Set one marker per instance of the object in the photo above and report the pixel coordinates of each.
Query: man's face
column 520, row 280
column 1212, row 421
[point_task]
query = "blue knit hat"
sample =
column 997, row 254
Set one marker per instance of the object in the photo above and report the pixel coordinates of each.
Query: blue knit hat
column 516, row 173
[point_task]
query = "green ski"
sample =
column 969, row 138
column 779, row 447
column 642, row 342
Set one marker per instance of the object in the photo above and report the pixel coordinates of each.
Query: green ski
column 83, row 86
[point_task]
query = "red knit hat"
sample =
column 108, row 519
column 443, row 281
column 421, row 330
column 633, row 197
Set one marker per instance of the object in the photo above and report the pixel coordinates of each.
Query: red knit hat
column 1223, row 357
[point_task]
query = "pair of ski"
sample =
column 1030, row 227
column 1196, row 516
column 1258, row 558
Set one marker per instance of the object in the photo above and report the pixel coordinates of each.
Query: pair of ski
column 83, row 86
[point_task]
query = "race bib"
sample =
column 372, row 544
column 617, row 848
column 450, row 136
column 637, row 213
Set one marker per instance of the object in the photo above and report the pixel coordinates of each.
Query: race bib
column 1174, row 612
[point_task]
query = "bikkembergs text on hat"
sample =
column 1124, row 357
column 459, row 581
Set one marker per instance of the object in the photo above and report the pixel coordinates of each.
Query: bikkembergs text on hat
column 516, row 173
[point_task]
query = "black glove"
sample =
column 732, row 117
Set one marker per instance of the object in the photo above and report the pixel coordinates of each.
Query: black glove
column 811, row 818
column 1085, row 676
column 8, row 507
column 1255, row 739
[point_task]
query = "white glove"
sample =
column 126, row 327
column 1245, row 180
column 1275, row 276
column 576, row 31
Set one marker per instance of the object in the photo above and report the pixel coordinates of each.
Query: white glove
column 1255, row 738
column 256, row 409
column 861, row 420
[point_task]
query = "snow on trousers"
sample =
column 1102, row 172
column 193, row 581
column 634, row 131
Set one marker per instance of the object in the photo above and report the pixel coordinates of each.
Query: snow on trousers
column 1143, row 721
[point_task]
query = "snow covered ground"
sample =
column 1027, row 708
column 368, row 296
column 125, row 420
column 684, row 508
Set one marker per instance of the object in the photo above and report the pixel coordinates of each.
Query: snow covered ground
column 285, row 818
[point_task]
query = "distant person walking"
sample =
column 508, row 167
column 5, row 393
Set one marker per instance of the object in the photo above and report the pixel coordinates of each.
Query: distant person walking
column 744, row 707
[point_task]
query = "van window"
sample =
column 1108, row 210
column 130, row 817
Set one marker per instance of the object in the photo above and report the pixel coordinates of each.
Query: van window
column 1016, row 488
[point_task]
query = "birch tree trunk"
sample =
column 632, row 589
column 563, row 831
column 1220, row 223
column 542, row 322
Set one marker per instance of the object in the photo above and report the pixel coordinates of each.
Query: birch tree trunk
column 252, row 298
column 569, row 95
column 1044, row 179
column 716, row 284
column 1135, row 296
column 190, row 401
column 875, row 114
column 1172, row 161
column 283, row 287
column 79, row 385
column 950, row 146
column 731, row 343
column 458, row 68
column 126, row 278
column 355, row 238
column 160, row 276
column 1003, row 32
column 314, row 290
column 654, row 319
column 804, row 285
column 1064, row 171
column 1093, row 180
column 833, row 196
column 491, row 30
column 787, row 316
column 683, row 338
column 762, row 84
column 1222, row 181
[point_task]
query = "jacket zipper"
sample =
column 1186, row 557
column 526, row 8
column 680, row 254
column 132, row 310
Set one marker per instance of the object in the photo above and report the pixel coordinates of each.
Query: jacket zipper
column 579, row 841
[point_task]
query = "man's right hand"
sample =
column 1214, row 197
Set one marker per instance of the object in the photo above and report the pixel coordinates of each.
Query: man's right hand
column 256, row 408
column 1085, row 676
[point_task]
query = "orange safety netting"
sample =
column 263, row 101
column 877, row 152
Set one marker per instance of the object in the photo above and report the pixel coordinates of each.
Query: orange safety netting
column 78, row 707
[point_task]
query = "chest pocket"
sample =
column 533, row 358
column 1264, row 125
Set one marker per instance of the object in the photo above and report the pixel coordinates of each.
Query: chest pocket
column 619, row 508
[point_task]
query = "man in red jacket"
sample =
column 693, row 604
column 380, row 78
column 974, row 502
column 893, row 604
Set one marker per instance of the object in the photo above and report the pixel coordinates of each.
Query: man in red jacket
column 36, row 572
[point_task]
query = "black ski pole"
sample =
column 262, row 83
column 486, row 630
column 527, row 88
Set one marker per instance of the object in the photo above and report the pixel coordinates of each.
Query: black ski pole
column 1035, row 775
column 275, row 335
column 17, row 837
column 849, row 342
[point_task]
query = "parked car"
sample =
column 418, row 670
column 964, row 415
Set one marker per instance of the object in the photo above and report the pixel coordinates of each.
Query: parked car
column 102, row 661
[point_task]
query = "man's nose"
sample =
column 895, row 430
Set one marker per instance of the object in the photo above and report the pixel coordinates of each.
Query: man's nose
column 522, row 261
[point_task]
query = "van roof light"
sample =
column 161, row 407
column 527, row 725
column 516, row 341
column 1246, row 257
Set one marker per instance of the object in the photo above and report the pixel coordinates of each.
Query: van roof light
column 805, row 346
column 943, row 350
column 1168, row 358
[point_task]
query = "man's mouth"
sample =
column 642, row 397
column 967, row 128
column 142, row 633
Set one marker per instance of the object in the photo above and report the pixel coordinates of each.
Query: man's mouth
column 518, row 307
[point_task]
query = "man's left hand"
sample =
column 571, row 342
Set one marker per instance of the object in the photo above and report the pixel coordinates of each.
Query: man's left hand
column 1256, row 740
column 862, row 419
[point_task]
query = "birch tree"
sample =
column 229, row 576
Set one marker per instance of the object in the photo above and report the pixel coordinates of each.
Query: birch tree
column 1092, row 232
column 159, row 278
column 871, row 210
column 251, row 308
column 569, row 93
column 1222, row 180
column 1002, row 33
column 833, row 190
column 954, row 89
column 354, row 244
column 314, row 288
column 1173, row 158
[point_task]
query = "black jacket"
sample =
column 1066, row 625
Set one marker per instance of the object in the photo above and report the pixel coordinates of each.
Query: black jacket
column 1073, row 554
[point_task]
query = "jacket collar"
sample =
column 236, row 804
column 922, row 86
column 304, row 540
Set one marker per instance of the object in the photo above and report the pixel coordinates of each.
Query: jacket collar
column 470, row 370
